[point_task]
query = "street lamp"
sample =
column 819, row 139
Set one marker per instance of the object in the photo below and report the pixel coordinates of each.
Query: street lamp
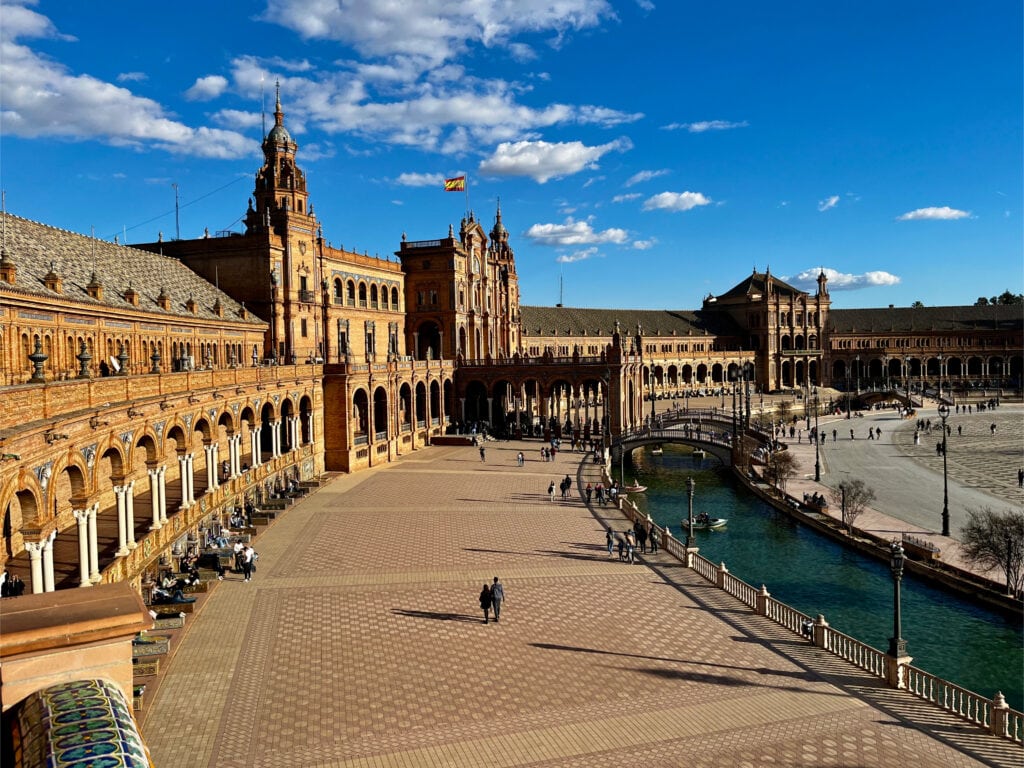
column 940, row 377
column 944, row 414
column 690, row 541
column 897, row 645
column 857, row 358
column 817, row 459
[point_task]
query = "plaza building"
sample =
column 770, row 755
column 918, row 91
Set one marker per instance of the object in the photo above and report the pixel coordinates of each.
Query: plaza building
column 152, row 392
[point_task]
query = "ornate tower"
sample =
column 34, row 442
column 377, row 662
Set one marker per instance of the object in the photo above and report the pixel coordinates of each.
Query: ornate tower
column 507, row 323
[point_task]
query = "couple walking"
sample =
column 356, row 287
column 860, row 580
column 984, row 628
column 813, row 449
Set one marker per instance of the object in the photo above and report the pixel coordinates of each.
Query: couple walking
column 491, row 597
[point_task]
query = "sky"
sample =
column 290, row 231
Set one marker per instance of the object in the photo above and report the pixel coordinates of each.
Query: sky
column 645, row 153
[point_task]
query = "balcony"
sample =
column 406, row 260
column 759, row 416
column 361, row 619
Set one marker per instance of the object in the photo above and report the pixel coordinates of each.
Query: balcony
column 307, row 297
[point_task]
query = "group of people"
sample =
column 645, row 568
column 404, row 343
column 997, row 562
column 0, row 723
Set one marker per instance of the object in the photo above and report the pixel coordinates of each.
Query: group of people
column 491, row 598
column 11, row 586
column 245, row 560
column 643, row 535
column 815, row 500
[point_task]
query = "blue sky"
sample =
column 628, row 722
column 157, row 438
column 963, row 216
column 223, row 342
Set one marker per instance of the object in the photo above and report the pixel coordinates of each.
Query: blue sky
column 647, row 153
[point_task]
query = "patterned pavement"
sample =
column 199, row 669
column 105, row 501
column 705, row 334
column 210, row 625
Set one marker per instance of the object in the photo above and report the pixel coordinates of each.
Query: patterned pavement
column 359, row 643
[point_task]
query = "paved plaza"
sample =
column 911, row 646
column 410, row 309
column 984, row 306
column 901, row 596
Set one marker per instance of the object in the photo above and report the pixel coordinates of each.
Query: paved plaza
column 360, row 643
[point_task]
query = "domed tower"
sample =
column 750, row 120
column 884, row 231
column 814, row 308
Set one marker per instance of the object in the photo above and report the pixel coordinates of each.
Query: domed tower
column 280, row 183
column 507, row 321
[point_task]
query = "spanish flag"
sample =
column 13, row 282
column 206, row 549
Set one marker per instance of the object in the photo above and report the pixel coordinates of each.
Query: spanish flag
column 458, row 184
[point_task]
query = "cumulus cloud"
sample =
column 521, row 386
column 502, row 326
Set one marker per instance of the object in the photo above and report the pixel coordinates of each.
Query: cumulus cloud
column 828, row 203
column 573, row 232
column 428, row 33
column 206, row 88
column 645, row 245
column 422, row 179
column 542, row 160
column 642, row 176
column 705, row 125
column 842, row 281
column 569, row 258
column 942, row 213
column 43, row 99
column 676, row 201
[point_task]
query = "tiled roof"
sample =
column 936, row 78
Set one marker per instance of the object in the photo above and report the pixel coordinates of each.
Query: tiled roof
column 755, row 283
column 33, row 247
column 998, row 317
column 578, row 321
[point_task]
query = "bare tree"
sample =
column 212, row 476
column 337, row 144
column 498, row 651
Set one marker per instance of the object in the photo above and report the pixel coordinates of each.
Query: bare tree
column 852, row 497
column 781, row 467
column 996, row 540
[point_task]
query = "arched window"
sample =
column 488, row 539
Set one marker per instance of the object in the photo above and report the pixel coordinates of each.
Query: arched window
column 362, row 294
column 351, row 293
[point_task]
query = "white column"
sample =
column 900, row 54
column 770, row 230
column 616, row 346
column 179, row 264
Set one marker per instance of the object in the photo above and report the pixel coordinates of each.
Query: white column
column 122, row 508
column 294, row 423
column 82, row 517
column 275, row 438
column 163, row 495
column 94, row 546
column 130, row 514
column 48, row 585
column 254, row 446
column 190, row 460
column 211, row 468
column 35, row 555
column 154, row 502
column 183, row 469
column 234, row 449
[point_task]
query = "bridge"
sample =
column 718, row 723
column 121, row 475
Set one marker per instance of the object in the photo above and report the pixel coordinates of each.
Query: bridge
column 708, row 430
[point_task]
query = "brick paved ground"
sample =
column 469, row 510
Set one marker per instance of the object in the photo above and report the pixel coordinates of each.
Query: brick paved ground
column 359, row 643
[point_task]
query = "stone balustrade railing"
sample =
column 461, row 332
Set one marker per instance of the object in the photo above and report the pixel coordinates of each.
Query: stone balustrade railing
column 993, row 715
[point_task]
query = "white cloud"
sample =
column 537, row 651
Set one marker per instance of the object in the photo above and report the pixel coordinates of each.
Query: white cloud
column 423, row 179
column 842, row 281
column 429, row 32
column 206, row 88
column 828, row 202
column 43, row 99
column 573, row 232
column 942, row 213
column 706, row 125
column 542, row 160
column 569, row 258
column 644, row 245
column 132, row 77
column 676, row 201
column 627, row 197
column 642, row 176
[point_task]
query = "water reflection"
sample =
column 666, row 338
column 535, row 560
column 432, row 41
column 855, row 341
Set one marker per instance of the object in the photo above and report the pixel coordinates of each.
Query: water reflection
column 978, row 649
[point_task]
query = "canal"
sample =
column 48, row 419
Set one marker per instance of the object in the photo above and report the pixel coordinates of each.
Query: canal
column 969, row 645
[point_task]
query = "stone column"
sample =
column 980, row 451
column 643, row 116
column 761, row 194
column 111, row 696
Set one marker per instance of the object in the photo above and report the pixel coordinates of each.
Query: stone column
column 462, row 405
column 163, row 495
column 82, row 518
column 94, row 546
column 35, row 555
column 191, row 479
column 293, row 430
column 48, row 585
column 254, row 446
column 490, row 410
column 130, row 514
column 122, row 523
column 154, row 494
column 416, row 345
column 183, row 470
column 211, row 467
column 234, row 450
column 216, row 465
column 275, row 439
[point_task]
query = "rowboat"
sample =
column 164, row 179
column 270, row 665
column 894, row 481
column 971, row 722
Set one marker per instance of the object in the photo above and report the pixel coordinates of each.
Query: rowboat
column 634, row 488
column 711, row 524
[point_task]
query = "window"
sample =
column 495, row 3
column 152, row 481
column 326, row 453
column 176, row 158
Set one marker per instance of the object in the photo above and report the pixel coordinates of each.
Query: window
column 304, row 328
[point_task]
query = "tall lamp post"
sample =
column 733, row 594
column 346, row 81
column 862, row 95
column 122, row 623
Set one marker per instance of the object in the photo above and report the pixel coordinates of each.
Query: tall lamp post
column 817, row 460
column 857, row 358
column 944, row 414
column 690, row 541
column 897, row 645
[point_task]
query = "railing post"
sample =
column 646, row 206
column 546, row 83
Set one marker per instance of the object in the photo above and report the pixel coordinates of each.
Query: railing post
column 895, row 670
column 820, row 625
column 722, row 573
column 761, row 601
column 1000, row 709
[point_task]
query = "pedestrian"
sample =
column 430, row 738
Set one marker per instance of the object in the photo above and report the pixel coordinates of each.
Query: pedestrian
column 497, row 597
column 248, row 561
column 610, row 538
column 993, row 428
column 652, row 537
column 959, row 430
column 1020, row 477
column 551, row 490
column 641, row 535
column 483, row 455
column 878, row 433
column 485, row 602
column 851, row 434
column 835, row 436
column 520, row 459
column 568, row 484
column 590, row 492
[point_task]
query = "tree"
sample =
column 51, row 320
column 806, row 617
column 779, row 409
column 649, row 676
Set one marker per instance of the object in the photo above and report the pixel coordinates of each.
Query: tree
column 783, row 409
column 996, row 540
column 917, row 305
column 852, row 497
column 780, row 468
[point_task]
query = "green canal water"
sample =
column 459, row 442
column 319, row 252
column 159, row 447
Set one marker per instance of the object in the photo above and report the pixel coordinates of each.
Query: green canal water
column 950, row 637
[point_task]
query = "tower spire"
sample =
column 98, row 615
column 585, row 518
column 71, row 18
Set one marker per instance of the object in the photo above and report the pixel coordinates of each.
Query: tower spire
column 278, row 112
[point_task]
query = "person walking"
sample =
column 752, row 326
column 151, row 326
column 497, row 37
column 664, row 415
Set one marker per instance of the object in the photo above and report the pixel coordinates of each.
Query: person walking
column 551, row 490
column 483, row 454
column 485, row 602
column 609, row 538
column 248, row 556
column 497, row 597
column 1020, row 477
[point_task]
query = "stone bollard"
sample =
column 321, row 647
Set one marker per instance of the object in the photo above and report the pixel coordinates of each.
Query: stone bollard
column 895, row 671
column 722, row 573
column 820, row 625
column 761, row 601
column 1000, row 710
